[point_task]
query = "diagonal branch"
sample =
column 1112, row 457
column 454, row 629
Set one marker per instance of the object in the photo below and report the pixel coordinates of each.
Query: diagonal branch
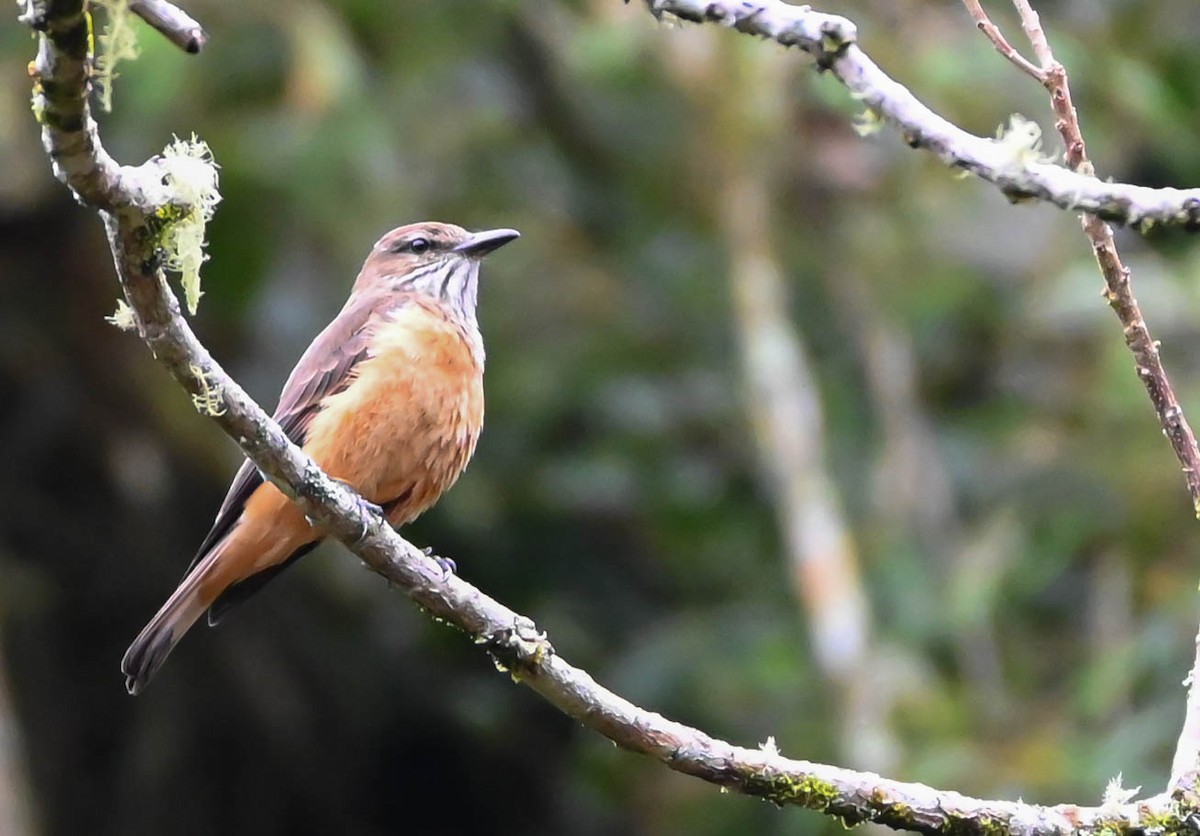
column 993, row 34
column 831, row 40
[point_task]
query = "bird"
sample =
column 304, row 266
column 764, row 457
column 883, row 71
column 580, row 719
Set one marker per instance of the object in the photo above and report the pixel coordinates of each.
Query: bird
column 387, row 399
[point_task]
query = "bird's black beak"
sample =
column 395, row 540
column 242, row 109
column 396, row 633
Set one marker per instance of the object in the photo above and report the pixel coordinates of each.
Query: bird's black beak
column 482, row 243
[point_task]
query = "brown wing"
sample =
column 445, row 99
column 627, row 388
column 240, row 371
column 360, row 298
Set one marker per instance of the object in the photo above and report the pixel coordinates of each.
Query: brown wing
column 324, row 369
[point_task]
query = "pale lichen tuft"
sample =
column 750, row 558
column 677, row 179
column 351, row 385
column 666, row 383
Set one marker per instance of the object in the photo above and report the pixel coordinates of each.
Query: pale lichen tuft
column 867, row 123
column 123, row 317
column 209, row 400
column 1117, row 795
column 117, row 43
column 1021, row 142
column 191, row 174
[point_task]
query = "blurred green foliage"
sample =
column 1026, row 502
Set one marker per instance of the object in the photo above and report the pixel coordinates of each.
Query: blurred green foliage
column 1031, row 571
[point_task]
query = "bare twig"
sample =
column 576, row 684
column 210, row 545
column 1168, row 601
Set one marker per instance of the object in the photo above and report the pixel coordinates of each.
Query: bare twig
column 831, row 40
column 993, row 34
column 1032, row 25
column 176, row 25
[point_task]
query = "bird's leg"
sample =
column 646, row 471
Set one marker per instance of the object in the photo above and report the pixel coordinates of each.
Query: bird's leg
column 448, row 566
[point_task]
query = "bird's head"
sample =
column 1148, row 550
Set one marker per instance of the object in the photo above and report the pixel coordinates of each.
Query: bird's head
column 435, row 259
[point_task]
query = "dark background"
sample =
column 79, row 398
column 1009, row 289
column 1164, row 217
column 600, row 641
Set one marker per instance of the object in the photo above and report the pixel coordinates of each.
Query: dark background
column 983, row 575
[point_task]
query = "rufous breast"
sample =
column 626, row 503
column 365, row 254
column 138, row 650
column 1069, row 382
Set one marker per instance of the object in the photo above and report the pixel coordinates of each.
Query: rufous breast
column 412, row 413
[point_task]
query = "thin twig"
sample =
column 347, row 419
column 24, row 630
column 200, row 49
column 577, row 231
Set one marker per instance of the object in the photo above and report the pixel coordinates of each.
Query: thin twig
column 1032, row 24
column 173, row 22
column 993, row 34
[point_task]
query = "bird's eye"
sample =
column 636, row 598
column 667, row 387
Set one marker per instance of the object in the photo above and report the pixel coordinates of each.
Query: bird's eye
column 419, row 245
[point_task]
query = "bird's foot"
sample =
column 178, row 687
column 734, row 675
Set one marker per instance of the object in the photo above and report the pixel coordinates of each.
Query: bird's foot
column 366, row 509
column 369, row 507
column 448, row 566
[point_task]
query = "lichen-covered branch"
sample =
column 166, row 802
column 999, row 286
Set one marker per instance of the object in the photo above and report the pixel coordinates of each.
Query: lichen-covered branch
column 832, row 41
column 992, row 32
column 61, row 85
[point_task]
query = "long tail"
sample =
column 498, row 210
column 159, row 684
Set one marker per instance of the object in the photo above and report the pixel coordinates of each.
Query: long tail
column 158, row 638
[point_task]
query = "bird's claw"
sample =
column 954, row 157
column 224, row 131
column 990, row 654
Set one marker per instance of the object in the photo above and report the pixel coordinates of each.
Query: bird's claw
column 448, row 566
column 367, row 509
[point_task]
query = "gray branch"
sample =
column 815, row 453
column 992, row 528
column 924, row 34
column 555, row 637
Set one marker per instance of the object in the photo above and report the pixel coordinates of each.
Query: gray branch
column 172, row 22
column 832, row 41
column 131, row 202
